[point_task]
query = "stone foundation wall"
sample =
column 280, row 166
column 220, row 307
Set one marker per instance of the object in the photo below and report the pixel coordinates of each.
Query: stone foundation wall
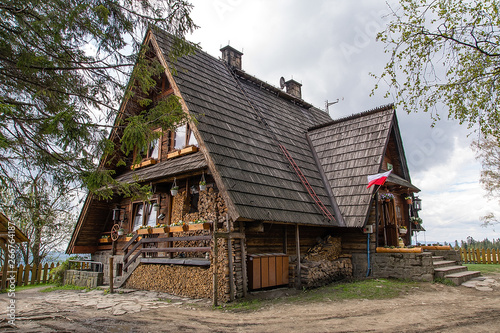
column 83, row 278
column 103, row 256
column 413, row 266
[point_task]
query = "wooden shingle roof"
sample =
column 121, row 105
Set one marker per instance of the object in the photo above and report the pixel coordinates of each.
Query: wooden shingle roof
column 241, row 122
column 350, row 149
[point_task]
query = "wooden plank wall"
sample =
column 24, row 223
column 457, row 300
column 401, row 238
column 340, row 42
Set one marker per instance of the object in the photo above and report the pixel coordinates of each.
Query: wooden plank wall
column 272, row 239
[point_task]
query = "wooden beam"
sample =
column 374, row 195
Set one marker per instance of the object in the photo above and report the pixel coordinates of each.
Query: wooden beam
column 230, row 263
column 243, row 260
column 83, row 249
column 297, row 245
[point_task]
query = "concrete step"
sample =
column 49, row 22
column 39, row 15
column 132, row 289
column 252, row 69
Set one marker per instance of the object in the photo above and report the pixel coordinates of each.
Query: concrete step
column 437, row 258
column 442, row 271
column 443, row 263
column 461, row 277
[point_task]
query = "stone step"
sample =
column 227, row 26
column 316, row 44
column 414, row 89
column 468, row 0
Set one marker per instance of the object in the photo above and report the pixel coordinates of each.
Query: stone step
column 461, row 277
column 444, row 263
column 442, row 271
column 437, row 258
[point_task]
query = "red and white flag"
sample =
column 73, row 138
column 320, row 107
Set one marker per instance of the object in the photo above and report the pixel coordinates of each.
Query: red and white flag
column 378, row 179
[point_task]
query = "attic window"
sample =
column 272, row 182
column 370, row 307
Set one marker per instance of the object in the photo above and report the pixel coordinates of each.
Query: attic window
column 184, row 137
column 152, row 154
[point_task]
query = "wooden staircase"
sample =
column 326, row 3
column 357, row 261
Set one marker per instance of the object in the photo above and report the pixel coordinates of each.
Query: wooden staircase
column 452, row 270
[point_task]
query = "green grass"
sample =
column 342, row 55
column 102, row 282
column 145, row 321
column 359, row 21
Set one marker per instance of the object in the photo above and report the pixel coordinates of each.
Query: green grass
column 29, row 286
column 364, row 289
column 65, row 287
column 484, row 268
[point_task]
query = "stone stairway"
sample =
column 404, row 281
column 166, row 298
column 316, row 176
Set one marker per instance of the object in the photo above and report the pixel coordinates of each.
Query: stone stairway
column 452, row 270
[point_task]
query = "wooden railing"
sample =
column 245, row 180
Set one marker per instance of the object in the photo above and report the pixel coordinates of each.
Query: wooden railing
column 132, row 249
column 477, row 256
column 26, row 275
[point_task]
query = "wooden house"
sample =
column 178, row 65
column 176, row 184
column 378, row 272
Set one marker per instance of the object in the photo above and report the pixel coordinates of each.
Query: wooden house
column 283, row 181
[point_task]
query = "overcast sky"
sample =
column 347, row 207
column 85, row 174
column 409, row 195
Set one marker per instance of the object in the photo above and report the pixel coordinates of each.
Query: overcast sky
column 330, row 47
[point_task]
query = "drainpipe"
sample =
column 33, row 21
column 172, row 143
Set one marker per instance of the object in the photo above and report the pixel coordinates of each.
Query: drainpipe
column 368, row 255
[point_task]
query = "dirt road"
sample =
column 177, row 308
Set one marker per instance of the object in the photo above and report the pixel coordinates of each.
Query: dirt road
column 426, row 308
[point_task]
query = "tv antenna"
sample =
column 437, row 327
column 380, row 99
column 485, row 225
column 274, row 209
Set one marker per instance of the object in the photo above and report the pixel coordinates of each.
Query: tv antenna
column 327, row 104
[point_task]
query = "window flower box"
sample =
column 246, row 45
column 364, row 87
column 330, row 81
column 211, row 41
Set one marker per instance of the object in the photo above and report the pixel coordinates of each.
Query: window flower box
column 199, row 226
column 160, row 230
column 105, row 239
column 144, row 163
column 176, row 228
column 174, row 154
column 144, row 231
column 189, row 150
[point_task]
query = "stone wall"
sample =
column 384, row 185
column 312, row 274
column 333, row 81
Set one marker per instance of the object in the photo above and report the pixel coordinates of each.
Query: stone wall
column 413, row 266
column 103, row 256
column 83, row 278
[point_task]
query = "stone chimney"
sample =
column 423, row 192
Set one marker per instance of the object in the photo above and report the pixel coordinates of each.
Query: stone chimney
column 293, row 88
column 231, row 56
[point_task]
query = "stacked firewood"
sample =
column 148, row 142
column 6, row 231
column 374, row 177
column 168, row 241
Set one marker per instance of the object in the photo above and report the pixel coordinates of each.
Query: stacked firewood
column 178, row 206
column 194, row 243
column 188, row 281
column 324, row 263
column 318, row 273
column 221, row 269
column 211, row 204
column 329, row 248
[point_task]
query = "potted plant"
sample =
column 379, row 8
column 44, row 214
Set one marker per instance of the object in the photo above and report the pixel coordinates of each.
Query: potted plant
column 416, row 220
column 156, row 207
column 402, row 230
column 174, row 190
column 203, row 185
column 408, row 200
column 386, row 197
column 121, row 231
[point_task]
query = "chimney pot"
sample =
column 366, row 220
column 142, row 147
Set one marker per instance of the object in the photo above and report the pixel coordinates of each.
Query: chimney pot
column 231, row 56
column 294, row 88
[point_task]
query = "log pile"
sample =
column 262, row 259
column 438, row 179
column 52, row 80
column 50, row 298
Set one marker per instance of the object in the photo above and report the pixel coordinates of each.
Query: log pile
column 222, row 270
column 324, row 263
column 199, row 243
column 315, row 274
column 179, row 203
column 328, row 249
column 187, row 281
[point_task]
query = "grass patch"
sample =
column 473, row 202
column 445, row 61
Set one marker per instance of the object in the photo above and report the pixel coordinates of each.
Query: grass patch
column 65, row 287
column 29, row 286
column 484, row 268
column 363, row 289
column 447, row 282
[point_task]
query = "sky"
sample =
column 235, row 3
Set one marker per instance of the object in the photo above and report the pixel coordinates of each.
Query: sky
column 330, row 47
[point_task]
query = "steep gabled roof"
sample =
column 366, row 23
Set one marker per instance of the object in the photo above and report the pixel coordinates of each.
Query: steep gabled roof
column 350, row 149
column 241, row 122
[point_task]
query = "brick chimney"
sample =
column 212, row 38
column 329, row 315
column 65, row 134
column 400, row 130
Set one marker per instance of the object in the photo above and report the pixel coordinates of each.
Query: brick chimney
column 231, row 56
column 293, row 88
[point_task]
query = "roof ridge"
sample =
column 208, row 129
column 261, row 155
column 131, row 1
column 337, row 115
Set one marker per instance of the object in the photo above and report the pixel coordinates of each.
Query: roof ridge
column 354, row 116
